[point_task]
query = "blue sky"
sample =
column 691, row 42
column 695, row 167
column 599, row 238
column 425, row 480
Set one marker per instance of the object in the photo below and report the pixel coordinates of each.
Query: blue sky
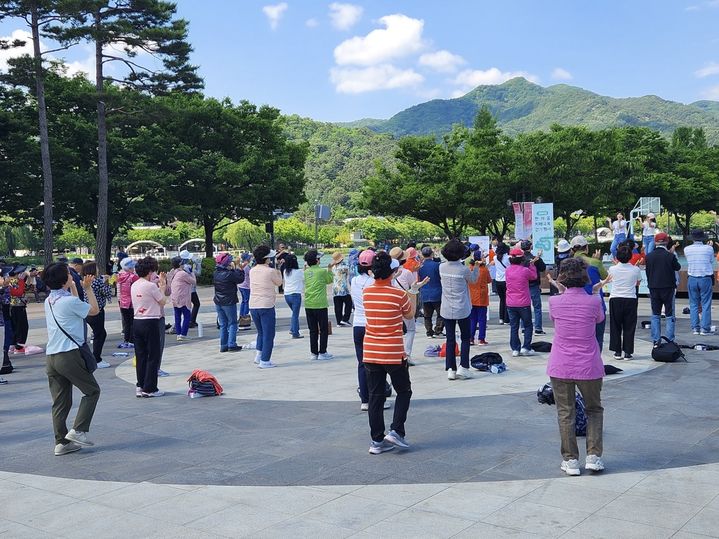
column 343, row 61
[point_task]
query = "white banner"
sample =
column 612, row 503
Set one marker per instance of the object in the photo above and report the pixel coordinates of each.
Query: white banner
column 482, row 241
column 543, row 231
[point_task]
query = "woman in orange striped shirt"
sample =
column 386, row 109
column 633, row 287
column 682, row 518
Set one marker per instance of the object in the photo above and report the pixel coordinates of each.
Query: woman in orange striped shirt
column 385, row 307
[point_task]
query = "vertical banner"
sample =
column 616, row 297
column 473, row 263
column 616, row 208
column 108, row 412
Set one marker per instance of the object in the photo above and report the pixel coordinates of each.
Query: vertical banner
column 518, row 220
column 543, row 231
column 527, row 212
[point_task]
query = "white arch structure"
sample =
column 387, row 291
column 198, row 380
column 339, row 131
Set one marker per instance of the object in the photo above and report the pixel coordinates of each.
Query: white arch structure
column 136, row 245
column 201, row 241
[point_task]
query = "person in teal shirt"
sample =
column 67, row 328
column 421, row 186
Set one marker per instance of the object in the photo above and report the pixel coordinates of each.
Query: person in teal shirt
column 316, row 305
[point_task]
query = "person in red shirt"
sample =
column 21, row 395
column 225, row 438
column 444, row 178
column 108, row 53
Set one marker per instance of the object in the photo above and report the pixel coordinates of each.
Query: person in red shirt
column 383, row 351
column 18, row 307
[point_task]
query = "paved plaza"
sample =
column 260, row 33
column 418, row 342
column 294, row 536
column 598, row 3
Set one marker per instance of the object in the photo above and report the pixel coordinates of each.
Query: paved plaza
column 283, row 453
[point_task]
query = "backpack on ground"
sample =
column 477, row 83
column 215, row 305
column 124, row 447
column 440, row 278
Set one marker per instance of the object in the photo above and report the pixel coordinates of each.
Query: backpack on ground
column 443, row 350
column 483, row 362
column 667, row 351
column 432, row 350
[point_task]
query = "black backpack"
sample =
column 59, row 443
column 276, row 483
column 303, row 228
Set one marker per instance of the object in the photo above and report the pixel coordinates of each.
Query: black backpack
column 483, row 362
column 667, row 351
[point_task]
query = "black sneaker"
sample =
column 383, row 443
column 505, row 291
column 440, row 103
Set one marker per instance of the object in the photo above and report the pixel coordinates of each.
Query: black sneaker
column 540, row 332
column 627, row 356
column 233, row 349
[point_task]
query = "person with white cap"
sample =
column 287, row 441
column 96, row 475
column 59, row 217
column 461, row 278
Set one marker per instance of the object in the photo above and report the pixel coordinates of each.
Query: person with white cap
column 564, row 251
column 341, row 290
column 264, row 281
column 196, row 269
column 649, row 230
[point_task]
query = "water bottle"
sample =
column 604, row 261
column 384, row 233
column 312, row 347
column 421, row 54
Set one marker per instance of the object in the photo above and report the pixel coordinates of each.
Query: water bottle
column 498, row 368
column 200, row 330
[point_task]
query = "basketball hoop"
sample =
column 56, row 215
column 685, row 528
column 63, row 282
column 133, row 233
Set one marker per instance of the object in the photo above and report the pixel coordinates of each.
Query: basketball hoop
column 644, row 206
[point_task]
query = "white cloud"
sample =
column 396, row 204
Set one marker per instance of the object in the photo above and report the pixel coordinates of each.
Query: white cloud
column 712, row 68
column 312, row 23
column 470, row 78
column 401, row 36
column 711, row 93
column 369, row 79
column 274, row 13
column 458, row 93
column 345, row 16
column 559, row 73
column 16, row 35
column 442, row 61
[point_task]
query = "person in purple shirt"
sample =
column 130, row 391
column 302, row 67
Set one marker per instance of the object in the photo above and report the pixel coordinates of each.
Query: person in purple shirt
column 575, row 362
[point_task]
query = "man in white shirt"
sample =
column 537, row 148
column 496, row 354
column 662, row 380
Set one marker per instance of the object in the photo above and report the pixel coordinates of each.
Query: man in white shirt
column 700, row 262
column 623, row 304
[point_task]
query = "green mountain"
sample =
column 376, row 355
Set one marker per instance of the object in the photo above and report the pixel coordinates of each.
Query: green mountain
column 521, row 106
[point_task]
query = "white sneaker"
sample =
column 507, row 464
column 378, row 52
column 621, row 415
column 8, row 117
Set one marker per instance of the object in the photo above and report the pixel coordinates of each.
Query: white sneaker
column 325, row 356
column 364, row 406
column 78, row 437
column 3, row 380
column 157, row 393
column 103, row 365
column 706, row 333
column 451, row 375
column 463, row 373
column 526, row 352
column 571, row 467
column 138, row 392
column 695, row 332
column 515, row 353
column 594, row 463
column 501, row 322
column 258, row 356
column 266, row 365
column 64, row 449
column 313, row 357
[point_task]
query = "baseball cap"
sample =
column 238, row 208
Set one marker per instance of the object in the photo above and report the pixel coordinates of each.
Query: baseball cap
column 127, row 263
column 563, row 246
column 662, row 237
column 526, row 245
column 516, row 251
column 366, row 257
column 427, row 251
column 76, row 261
column 579, row 241
column 121, row 255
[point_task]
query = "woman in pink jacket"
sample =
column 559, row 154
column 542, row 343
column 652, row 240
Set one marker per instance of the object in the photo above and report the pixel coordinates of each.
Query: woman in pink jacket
column 181, row 281
column 519, row 301
column 125, row 278
column 576, row 362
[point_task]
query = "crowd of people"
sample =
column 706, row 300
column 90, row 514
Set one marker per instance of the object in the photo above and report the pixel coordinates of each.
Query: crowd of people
column 380, row 294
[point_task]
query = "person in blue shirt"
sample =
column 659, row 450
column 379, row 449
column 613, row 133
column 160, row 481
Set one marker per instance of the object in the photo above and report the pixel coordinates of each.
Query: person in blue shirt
column 65, row 315
column 431, row 293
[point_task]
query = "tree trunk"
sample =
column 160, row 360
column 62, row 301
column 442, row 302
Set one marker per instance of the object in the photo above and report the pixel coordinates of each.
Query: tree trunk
column 104, row 180
column 596, row 234
column 209, row 227
column 44, row 139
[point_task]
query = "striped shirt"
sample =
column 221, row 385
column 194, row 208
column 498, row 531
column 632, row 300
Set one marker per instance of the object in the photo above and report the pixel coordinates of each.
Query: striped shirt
column 700, row 260
column 384, row 308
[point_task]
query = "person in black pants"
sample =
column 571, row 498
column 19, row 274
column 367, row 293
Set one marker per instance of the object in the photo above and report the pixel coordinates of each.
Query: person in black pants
column 661, row 266
column 103, row 293
column 148, row 300
column 501, row 262
column 623, row 304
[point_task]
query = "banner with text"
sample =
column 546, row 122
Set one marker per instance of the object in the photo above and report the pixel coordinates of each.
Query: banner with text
column 542, row 229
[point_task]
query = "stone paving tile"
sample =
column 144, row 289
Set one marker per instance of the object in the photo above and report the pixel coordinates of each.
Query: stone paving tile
column 602, row 527
column 415, row 522
column 536, row 518
column 353, row 512
column 705, row 522
column 14, row 529
column 584, row 497
column 185, row 508
column 302, row 527
column 654, row 512
column 450, row 502
column 406, row 495
column 482, row 529
column 238, row 521
column 687, row 490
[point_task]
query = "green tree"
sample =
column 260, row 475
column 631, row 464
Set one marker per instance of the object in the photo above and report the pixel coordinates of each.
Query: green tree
column 225, row 162
column 133, row 26
column 243, row 234
column 292, row 230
